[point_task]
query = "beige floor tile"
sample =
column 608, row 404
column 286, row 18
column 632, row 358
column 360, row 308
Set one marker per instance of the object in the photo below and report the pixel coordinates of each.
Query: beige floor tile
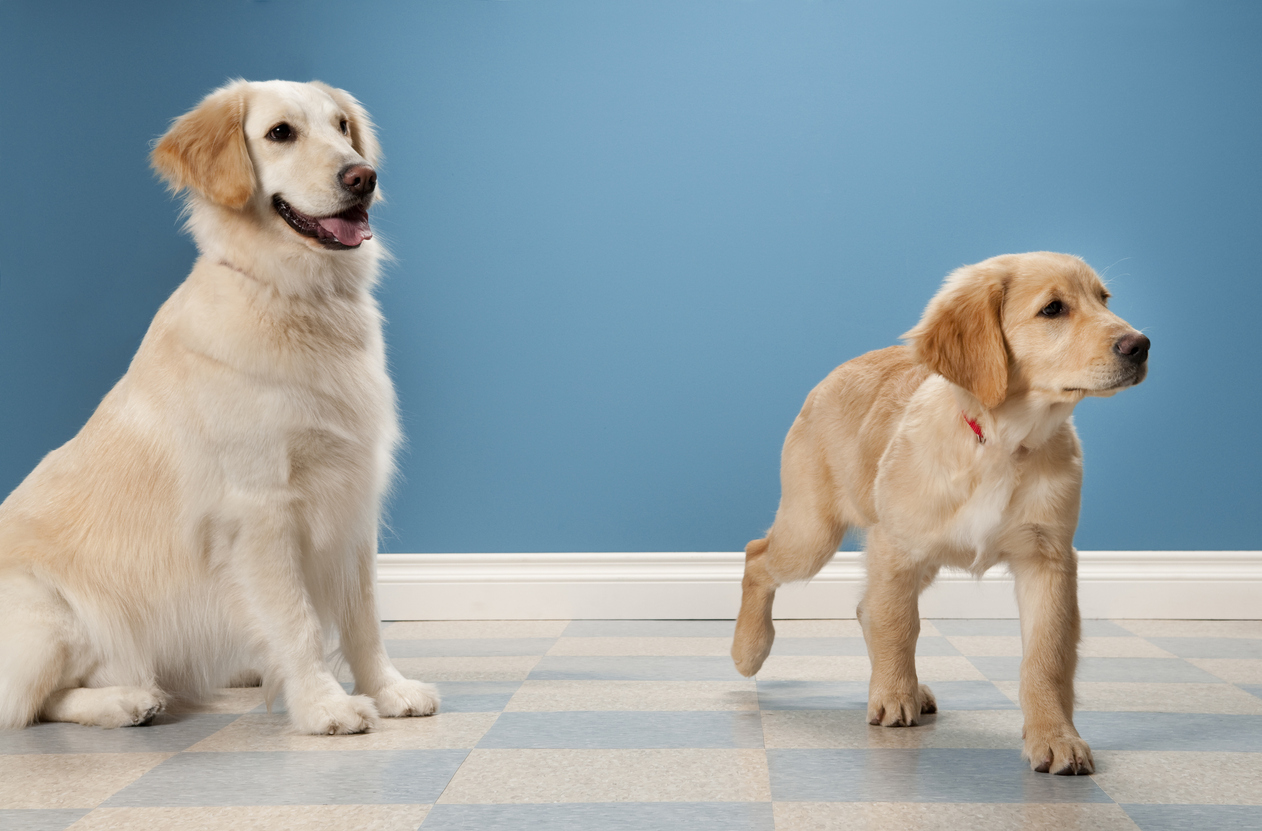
column 929, row 668
column 263, row 732
column 1235, row 670
column 420, row 629
column 922, row 816
column 1165, row 698
column 80, row 780
column 257, row 818
column 985, row 729
column 552, row 696
column 987, row 646
column 496, row 668
column 232, row 700
column 815, row 668
column 819, row 629
column 1183, row 777
column 1012, row 689
column 499, row 776
column 642, row 646
column 1194, row 628
column 1121, row 647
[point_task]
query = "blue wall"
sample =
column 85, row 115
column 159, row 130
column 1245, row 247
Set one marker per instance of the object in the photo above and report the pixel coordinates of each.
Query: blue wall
column 632, row 235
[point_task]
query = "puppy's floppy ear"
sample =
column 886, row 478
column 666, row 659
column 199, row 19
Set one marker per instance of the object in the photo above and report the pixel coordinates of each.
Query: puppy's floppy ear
column 363, row 133
column 205, row 149
column 960, row 335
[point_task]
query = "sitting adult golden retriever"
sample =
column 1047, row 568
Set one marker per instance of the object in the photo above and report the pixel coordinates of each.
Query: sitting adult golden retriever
column 219, row 510
column 956, row 450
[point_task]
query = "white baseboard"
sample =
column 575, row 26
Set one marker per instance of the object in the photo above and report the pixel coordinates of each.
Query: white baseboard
column 700, row 585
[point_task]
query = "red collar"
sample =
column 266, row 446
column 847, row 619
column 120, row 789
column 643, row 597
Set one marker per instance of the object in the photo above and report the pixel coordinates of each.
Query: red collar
column 976, row 428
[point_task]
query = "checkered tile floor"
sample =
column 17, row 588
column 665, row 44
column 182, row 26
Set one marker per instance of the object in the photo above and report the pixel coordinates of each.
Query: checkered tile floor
column 645, row 725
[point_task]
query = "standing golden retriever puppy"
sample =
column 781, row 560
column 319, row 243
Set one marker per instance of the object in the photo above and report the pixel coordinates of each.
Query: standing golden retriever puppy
column 219, row 511
column 956, row 450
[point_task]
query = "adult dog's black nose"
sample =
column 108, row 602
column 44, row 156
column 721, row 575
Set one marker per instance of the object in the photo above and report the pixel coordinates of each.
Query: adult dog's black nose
column 359, row 179
column 1133, row 348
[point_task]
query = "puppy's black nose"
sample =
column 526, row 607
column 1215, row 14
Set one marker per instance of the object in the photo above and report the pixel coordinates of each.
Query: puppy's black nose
column 359, row 179
column 1133, row 348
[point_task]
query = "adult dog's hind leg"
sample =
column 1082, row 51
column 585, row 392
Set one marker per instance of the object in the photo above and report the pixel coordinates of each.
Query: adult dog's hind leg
column 34, row 653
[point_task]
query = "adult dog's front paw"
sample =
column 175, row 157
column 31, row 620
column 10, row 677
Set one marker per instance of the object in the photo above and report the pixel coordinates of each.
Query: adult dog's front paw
column 900, row 708
column 407, row 698
column 1061, row 752
column 335, row 715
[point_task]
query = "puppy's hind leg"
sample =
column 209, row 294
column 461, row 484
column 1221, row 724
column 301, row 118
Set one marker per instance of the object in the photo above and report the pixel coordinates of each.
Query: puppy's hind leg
column 796, row 548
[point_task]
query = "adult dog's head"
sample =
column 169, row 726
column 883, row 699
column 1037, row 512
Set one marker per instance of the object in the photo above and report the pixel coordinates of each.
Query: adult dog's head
column 296, row 161
column 1029, row 323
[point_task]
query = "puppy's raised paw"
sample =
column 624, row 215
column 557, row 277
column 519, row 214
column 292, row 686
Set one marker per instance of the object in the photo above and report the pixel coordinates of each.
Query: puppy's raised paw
column 407, row 698
column 336, row 716
column 1061, row 752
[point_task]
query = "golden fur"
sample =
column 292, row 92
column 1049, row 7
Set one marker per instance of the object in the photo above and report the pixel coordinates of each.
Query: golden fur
column 218, row 513
column 884, row 444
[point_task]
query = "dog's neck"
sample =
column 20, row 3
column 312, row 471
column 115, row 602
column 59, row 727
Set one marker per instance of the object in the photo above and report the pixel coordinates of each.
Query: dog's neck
column 270, row 254
column 1024, row 421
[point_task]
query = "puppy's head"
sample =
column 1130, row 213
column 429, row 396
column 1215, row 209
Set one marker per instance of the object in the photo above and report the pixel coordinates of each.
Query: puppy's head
column 1029, row 323
column 300, row 157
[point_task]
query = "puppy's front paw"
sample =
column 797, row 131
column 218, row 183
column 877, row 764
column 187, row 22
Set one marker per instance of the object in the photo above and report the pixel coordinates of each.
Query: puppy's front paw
column 131, row 707
column 407, row 698
column 335, row 715
column 1061, row 752
column 900, row 708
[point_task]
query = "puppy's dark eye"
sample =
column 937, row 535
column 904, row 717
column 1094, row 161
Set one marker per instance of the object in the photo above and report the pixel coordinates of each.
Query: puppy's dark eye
column 1053, row 309
column 346, row 129
column 281, row 132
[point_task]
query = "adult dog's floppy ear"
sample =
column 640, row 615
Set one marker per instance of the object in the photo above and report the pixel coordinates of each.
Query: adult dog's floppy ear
column 960, row 335
column 363, row 134
column 205, row 150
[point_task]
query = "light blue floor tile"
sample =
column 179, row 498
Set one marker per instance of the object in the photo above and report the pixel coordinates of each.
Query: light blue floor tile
column 317, row 777
column 926, row 775
column 1141, row 670
column 167, row 734
column 853, row 695
column 650, row 629
column 1211, row 647
column 605, row 816
column 476, row 696
column 46, row 820
column 467, row 647
column 1252, row 689
column 567, row 668
column 1200, row 817
column 1171, row 731
column 618, row 730
column 1011, row 626
column 853, row 646
column 813, row 695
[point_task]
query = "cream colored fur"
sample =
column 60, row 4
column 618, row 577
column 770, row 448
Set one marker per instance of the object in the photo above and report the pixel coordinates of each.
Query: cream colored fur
column 219, row 511
column 884, row 444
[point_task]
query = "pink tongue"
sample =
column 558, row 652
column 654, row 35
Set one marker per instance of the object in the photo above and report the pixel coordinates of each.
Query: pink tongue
column 349, row 232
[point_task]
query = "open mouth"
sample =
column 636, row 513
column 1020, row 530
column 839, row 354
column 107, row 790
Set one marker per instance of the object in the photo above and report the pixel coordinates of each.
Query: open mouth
column 340, row 231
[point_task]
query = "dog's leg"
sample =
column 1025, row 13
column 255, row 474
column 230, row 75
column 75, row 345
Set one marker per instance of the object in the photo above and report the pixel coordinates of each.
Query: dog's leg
column 890, row 616
column 1047, row 595
column 375, row 675
column 266, row 567
column 796, row 548
column 34, row 652
column 104, row 706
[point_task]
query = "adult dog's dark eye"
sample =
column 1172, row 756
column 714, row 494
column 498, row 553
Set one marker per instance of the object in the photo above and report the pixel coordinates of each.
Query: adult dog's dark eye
column 281, row 132
column 346, row 129
column 1053, row 309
